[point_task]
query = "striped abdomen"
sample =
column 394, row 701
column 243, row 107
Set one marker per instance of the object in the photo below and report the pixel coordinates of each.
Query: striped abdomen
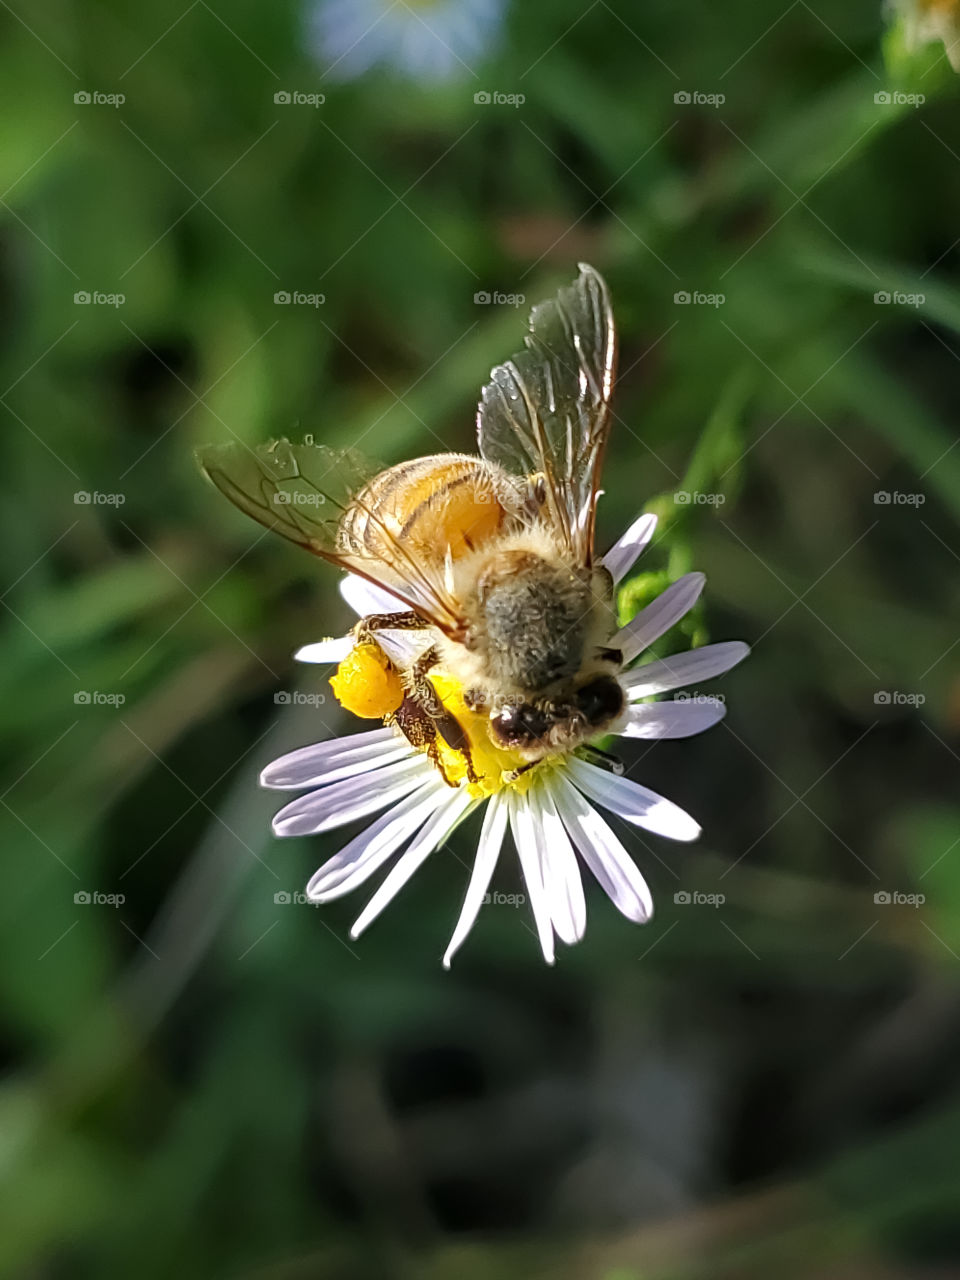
column 448, row 500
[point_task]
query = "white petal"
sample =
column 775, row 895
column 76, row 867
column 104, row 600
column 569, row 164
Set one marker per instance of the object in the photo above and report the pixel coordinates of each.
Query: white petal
column 521, row 824
column 325, row 650
column 366, row 599
column 628, row 799
column 659, row 616
column 558, row 863
column 622, row 555
column 613, row 868
column 683, row 668
column 369, row 850
column 435, row 831
column 674, row 719
column 353, row 798
column 324, row 762
column 488, row 850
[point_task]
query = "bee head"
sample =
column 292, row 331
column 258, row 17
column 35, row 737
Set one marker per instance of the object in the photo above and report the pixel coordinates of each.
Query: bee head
column 547, row 724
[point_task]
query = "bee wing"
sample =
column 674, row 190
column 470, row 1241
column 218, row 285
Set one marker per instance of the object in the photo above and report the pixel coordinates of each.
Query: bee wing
column 547, row 410
column 301, row 492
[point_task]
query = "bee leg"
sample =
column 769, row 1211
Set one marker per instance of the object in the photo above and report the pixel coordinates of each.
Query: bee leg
column 418, row 728
column 514, row 774
column 405, row 620
column 445, row 722
column 612, row 763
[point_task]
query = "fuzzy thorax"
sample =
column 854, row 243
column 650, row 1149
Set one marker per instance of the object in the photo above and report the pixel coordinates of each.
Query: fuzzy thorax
column 534, row 621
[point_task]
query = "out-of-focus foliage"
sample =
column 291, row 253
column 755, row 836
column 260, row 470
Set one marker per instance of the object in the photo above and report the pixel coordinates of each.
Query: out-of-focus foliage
column 211, row 1080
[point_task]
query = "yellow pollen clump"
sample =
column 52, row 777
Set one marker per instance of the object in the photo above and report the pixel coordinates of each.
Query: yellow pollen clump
column 366, row 684
column 491, row 764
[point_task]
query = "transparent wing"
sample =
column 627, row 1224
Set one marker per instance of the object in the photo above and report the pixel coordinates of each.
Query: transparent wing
column 301, row 491
column 547, row 410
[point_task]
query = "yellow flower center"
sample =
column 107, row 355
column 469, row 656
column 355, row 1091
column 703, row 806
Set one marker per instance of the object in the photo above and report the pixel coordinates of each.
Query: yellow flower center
column 493, row 766
column 367, row 684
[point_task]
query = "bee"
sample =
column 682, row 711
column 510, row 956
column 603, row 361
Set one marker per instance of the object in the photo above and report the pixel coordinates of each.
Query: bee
column 491, row 556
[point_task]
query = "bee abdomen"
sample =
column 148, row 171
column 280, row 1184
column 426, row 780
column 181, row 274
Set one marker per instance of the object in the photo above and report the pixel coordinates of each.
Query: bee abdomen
column 448, row 500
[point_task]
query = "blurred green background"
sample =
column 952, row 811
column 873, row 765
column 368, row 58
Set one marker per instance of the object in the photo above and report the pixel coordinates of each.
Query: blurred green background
column 204, row 1081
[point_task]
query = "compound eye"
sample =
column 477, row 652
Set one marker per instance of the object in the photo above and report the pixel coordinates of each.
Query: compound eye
column 519, row 726
column 600, row 701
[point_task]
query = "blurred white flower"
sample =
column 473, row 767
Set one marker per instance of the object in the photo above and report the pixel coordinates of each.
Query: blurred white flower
column 422, row 39
column 925, row 21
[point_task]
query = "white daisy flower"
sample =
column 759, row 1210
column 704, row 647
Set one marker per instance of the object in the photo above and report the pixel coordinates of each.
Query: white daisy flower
column 551, row 808
column 423, row 39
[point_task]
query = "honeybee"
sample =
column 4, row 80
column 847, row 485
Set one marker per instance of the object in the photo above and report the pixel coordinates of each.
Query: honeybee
column 491, row 555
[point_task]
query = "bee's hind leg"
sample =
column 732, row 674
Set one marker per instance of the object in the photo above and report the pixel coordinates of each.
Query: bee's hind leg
column 425, row 698
column 404, row 620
